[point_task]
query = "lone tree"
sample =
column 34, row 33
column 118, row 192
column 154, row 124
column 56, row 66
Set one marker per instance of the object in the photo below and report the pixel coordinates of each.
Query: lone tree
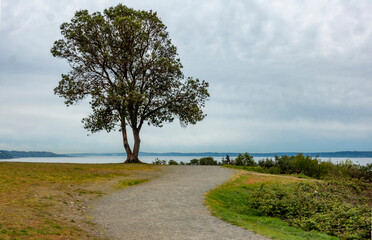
column 125, row 62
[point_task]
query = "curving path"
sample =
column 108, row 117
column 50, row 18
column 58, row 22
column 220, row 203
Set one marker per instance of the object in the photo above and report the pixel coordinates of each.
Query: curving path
column 169, row 207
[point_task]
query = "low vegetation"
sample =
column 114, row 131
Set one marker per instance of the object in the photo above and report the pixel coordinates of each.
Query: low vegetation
column 201, row 161
column 299, row 165
column 230, row 202
column 51, row 201
column 336, row 207
column 302, row 166
column 314, row 167
column 329, row 201
column 319, row 200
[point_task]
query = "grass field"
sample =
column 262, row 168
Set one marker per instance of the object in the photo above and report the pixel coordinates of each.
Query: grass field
column 51, row 201
column 229, row 202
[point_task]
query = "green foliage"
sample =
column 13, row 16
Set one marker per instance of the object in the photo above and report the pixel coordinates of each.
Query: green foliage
column 226, row 160
column 230, row 203
column 248, row 168
column 266, row 163
column 362, row 172
column 336, row 208
column 308, row 166
column 239, row 160
column 248, row 160
column 172, row 162
column 203, row 161
column 207, row 161
column 244, row 160
column 348, row 169
column 194, row 162
column 124, row 61
column 157, row 161
column 130, row 182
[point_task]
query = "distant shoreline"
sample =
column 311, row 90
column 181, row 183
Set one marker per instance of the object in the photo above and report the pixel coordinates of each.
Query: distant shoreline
column 4, row 154
column 341, row 154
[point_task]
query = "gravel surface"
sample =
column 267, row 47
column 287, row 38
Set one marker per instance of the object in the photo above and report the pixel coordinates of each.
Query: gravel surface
column 169, row 207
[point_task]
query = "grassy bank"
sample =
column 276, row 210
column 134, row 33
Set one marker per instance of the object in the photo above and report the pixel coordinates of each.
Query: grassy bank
column 51, row 201
column 230, row 203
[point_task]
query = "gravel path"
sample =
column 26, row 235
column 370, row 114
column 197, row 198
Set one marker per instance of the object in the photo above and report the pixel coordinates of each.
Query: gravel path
column 169, row 207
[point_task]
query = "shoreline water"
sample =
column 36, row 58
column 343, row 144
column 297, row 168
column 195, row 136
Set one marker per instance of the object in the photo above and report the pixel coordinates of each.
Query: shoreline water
column 150, row 159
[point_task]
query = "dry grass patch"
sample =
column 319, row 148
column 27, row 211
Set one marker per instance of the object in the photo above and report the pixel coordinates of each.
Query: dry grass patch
column 50, row 200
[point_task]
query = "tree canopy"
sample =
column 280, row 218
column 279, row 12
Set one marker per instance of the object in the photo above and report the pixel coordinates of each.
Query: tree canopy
column 125, row 62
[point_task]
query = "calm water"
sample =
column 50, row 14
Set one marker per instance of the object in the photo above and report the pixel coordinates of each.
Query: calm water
column 149, row 159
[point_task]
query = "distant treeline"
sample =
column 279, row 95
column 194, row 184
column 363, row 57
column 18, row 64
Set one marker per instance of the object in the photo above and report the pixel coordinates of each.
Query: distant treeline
column 5, row 155
column 299, row 164
column 22, row 154
column 343, row 154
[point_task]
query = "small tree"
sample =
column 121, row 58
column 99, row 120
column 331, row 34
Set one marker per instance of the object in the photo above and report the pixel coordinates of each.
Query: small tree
column 125, row 62
column 194, row 162
column 248, row 160
column 244, row 160
column 266, row 163
column 239, row 160
column 172, row 162
column 226, row 160
column 207, row 161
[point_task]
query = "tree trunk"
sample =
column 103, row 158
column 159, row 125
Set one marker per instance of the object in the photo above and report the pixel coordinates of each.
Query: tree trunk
column 137, row 142
column 132, row 157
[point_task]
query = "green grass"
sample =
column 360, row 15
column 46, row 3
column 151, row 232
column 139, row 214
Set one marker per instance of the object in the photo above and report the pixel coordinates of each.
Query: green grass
column 50, row 200
column 247, row 168
column 130, row 182
column 263, row 170
column 229, row 202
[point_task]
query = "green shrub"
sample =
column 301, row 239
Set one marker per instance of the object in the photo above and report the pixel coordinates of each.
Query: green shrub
column 203, row 161
column 266, row 163
column 159, row 162
column 226, row 160
column 285, row 164
column 248, row 160
column 336, row 208
column 194, row 162
column 172, row 162
column 244, row 160
column 274, row 170
column 312, row 167
column 306, row 165
column 207, row 161
column 239, row 160
column 361, row 172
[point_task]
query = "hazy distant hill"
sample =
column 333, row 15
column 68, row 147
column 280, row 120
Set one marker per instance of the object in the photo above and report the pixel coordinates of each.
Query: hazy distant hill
column 22, row 154
column 343, row 154
column 5, row 155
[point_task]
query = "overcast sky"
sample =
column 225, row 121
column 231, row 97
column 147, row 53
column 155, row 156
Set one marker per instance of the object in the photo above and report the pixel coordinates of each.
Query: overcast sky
column 284, row 76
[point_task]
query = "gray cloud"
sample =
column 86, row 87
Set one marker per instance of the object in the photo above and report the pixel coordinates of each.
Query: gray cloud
column 284, row 75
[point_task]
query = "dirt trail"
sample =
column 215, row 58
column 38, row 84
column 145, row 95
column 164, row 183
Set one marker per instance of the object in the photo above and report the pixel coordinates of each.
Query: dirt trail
column 169, row 207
